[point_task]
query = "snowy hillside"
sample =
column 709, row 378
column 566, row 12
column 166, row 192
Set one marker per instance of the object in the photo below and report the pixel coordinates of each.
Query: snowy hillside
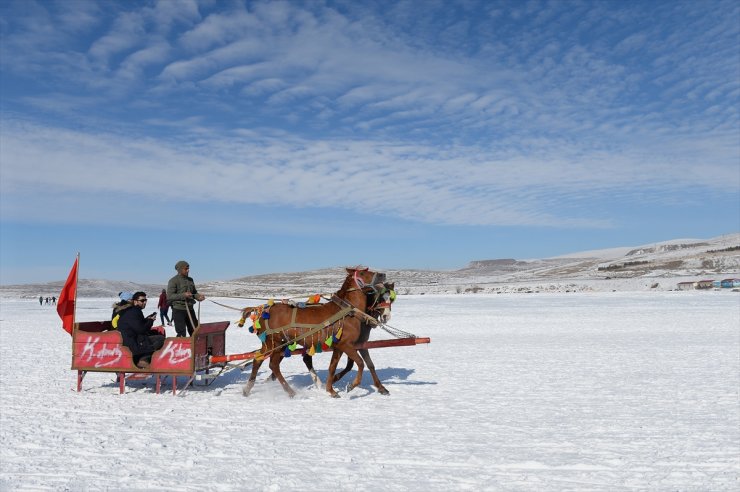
column 658, row 266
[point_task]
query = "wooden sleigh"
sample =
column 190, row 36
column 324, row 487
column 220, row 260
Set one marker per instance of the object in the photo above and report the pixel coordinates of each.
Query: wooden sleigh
column 97, row 347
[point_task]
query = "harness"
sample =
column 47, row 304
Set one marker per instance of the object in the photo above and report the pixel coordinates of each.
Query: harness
column 261, row 317
column 312, row 327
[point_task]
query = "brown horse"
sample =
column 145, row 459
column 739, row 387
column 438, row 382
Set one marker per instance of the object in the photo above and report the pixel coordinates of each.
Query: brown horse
column 379, row 302
column 334, row 321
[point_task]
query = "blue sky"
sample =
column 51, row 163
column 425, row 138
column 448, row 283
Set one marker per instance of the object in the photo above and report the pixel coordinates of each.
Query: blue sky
column 258, row 137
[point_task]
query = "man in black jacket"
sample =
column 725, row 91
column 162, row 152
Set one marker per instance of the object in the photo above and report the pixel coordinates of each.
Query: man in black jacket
column 137, row 332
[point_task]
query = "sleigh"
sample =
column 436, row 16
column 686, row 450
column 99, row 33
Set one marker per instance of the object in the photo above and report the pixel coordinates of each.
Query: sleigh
column 97, row 347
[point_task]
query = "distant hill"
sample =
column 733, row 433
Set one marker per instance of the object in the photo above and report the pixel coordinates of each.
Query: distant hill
column 85, row 288
column 656, row 266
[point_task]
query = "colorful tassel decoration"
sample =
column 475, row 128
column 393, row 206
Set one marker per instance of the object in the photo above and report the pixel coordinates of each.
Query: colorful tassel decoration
column 257, row 325
column 311, row 351
column 251, row 329
column 293, row 346
column 265, row 315
column 318, row 348
column 286, row 352
column 263, row 336
column 329, row 341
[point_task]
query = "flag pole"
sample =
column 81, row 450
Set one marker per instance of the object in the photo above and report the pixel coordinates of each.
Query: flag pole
column 77, row 277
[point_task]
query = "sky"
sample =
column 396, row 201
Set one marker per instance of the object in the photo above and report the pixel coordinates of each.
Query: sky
column 260, row 137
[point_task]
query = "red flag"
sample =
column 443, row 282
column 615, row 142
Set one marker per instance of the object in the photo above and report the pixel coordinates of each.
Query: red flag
column 67, row 299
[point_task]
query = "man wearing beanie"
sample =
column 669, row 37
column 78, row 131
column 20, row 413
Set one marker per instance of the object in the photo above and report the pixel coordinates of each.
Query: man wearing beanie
column 182, row 294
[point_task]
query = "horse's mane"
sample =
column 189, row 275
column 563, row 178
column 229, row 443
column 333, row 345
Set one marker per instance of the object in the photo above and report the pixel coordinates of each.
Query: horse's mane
column 347, row 284
column 349, row 279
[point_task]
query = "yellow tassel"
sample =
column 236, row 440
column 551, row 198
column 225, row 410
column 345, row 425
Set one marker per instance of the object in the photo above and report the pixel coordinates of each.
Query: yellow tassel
column 312, row 351
column 271, row 302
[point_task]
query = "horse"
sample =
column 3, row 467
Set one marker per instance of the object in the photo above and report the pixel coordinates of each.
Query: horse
column 379, row 302
column 335, row 322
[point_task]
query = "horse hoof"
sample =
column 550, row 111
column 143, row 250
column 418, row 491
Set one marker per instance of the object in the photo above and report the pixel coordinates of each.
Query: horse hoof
column 383, row 391
column 350, row 387
column 335, row 395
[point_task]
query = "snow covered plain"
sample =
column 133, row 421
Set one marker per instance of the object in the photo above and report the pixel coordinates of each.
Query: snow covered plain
column 581, row 391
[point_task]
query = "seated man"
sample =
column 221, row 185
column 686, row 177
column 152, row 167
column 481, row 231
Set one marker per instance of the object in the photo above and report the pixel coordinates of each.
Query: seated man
column 137, row 331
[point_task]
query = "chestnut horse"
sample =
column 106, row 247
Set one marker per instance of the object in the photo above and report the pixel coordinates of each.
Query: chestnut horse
column 379, row 302
column 284, row 324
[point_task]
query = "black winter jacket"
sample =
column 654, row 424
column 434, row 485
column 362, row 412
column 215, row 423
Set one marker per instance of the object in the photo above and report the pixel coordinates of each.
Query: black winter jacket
column 135, row 330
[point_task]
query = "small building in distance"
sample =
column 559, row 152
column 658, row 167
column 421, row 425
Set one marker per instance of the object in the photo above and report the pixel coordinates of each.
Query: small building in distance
column 730, row 283
column 699, row 284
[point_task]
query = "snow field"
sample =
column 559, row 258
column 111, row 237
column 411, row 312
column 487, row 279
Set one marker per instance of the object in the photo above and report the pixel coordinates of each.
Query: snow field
column 587, row 391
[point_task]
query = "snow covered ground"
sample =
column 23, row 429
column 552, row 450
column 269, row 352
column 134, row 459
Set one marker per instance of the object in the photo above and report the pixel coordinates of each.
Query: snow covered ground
column 581, row 391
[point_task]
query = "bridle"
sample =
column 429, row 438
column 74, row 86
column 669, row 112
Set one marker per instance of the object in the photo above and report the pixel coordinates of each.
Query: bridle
column 361, row 283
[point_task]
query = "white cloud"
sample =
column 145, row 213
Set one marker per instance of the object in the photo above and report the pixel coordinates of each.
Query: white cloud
column 466, row 186
column 497, row 126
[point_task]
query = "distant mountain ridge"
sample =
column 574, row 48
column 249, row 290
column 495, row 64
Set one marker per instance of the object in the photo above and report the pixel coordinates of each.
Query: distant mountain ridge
column 657, row 266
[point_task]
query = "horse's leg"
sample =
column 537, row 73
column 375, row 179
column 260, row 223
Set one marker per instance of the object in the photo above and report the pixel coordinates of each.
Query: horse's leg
column 252, row 377
column 308, row 360
column 353, row 355
column 365, row 353
column 275, row 360
column 344, row 372
column 335, row 355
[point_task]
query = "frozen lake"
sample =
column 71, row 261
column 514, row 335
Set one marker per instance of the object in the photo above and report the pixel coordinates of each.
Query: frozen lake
column 602, row 391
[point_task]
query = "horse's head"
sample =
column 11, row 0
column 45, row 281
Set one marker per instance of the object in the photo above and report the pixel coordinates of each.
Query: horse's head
column 359, row 281
column 364, row 278
column 379, row 301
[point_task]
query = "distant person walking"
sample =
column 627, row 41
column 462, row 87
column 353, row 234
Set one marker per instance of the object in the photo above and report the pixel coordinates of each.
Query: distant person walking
column 54, row 300
column 164, row 307
column 182, row 294
column 41, row 300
